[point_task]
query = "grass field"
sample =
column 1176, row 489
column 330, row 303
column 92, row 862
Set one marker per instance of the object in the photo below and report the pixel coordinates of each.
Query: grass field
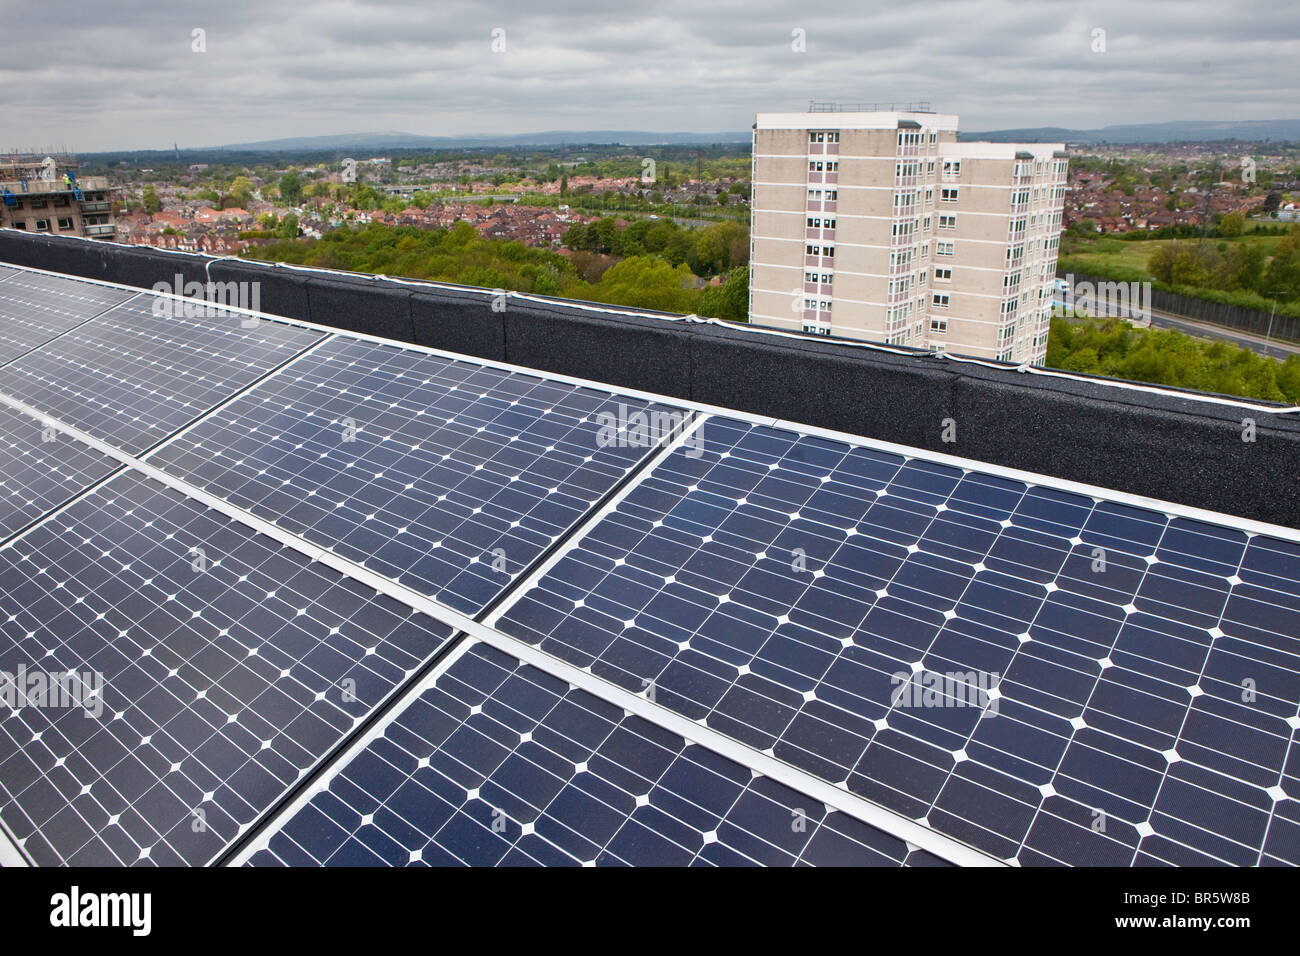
column 1106, row 255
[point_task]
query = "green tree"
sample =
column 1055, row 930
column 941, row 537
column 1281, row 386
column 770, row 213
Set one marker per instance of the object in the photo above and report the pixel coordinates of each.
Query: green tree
column 152, row 203
column 730, row 300
column 241, row 191
column 291, row 187
column 1232, row 224
column 1283, row 274
column 645, row 282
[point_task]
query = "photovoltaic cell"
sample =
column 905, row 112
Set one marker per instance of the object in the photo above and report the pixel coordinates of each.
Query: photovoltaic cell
column 1010, row 662
column 230, row 666
column 132, row 377
column 40, row 469
column 36, row 308
column 447, row 476
column 500, row 764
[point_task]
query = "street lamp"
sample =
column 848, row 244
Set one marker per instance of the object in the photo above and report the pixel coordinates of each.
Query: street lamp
column 1269, row 334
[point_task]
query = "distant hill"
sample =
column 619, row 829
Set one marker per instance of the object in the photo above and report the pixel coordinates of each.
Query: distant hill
column 1176, row 132
column 398, row 140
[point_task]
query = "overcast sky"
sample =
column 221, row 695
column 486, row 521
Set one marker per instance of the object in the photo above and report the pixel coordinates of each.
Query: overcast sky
column 125, row 74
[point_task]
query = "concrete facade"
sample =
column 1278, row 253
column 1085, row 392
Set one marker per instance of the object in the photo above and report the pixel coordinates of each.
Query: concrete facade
column 881, row 226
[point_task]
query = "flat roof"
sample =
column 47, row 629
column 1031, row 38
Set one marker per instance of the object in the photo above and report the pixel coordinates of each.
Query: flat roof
column 874, row 120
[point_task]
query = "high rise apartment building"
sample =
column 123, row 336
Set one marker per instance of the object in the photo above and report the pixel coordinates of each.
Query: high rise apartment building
column 44, row 194
column 880, row 225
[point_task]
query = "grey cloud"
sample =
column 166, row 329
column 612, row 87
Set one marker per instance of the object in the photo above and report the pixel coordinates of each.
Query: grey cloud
column 123, row 74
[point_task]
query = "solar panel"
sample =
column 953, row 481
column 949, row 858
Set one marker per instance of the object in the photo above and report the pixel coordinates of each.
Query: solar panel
column 1044, row 675
column 498, row 763
column 224, row 664
column 40, row 469
column 448, row 476
column 132, row 377
column 1048, row 677
column 36, row 308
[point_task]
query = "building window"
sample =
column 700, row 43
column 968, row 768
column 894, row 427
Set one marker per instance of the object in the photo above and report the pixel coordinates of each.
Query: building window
column 832, row 194
column 65, row 224
column 947, row 222
column 61, row 201
column 817, row 329
column 939, row 326
column 940, row 300
column 942, row 248
column 948, row 194
column 38, row 203
column 942, row 274
column 42, row 224
column 952, row 167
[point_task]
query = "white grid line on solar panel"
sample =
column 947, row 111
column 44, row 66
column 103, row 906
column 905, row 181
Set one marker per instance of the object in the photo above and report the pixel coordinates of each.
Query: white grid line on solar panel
column 601, row 570
column 445, row 476
column 40, row 469
column 502, row 742
column 189, row 698
column 134, row 377
column 992, row 470
column 39, row 308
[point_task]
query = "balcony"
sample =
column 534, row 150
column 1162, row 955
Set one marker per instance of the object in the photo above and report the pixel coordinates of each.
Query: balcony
column 95, row 207
column 104, row 229
column 47, row 186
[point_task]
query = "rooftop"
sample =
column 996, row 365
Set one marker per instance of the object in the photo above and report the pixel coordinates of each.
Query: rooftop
column 617, row 582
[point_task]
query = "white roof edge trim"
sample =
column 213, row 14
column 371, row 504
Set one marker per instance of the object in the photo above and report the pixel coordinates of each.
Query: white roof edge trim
column 631, row 313
column 1014, row 474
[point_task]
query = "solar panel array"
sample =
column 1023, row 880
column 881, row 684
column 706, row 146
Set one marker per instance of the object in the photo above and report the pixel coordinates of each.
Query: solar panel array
column 499, row 763
column 132, row 377
column 37, row 308
column 40, row 469
column 1046, row 676
column 446, row 476
column 230, row 665
column 1033, row 674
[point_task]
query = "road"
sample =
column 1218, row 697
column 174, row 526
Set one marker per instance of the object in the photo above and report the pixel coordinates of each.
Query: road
column 1204, row 330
